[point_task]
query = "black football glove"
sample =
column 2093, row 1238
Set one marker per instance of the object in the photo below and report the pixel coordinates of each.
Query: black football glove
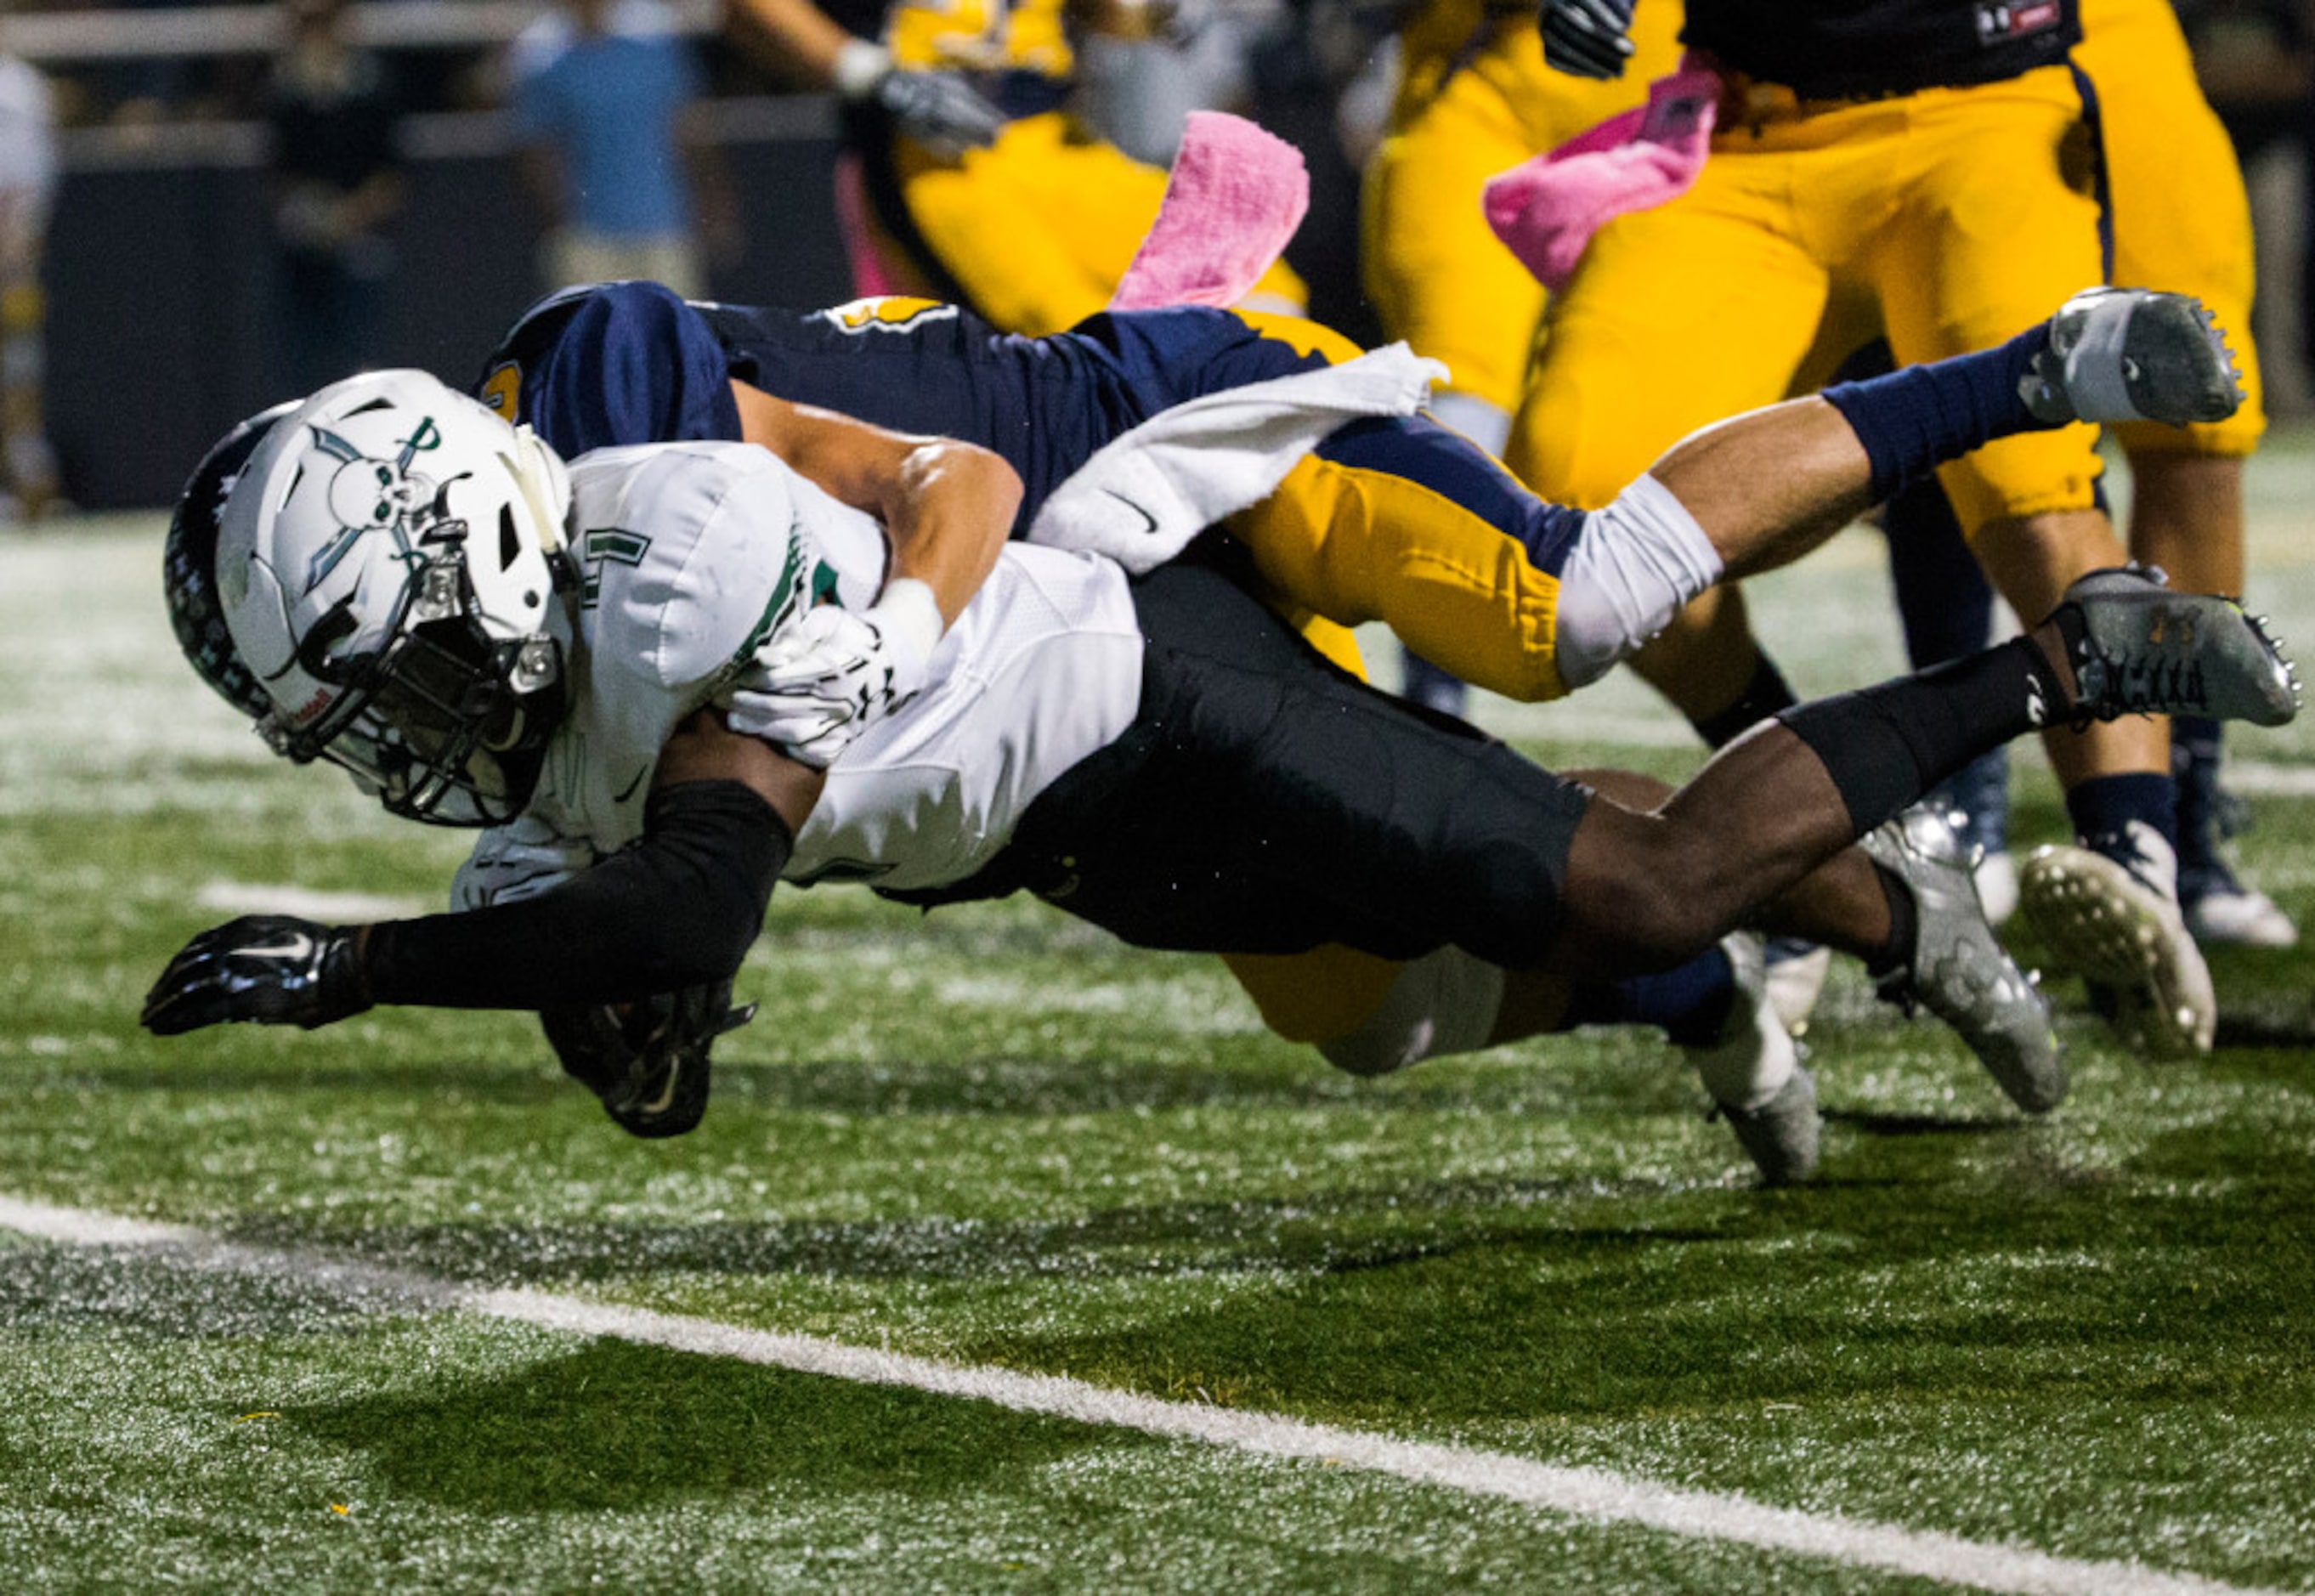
column 649, row 1064
column 1587, row 37
column 941, row 111
column 274, row 969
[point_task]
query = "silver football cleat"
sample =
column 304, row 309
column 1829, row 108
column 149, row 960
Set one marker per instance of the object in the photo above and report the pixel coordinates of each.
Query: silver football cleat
column 2138, row 647
column 1777, row 1125
column 1960, row 971
column 2134, row 355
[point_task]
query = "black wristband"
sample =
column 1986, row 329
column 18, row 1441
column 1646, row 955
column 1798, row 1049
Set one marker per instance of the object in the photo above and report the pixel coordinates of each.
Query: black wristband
column 677, row 907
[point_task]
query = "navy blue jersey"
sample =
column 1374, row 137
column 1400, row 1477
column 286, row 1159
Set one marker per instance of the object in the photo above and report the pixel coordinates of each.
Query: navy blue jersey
column 631, row 362
column 1849, row 50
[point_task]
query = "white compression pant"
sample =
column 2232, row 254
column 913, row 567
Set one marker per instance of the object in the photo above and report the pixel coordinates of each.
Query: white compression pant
column 1635, row 565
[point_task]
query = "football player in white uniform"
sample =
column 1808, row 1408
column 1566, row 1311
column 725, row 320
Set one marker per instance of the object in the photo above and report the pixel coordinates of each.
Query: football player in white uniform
column 666, row 676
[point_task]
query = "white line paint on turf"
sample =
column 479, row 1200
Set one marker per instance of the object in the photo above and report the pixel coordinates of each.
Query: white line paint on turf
column 2254, row 778
column 336, row 908
column 1592, row 1494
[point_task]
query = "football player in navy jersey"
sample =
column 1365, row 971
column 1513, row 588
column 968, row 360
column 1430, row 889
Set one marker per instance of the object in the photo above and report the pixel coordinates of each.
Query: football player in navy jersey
column 1393, row 518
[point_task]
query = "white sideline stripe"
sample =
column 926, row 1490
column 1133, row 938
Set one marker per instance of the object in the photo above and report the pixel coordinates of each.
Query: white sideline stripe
column 1585, row 1492
column 2252, row 778
column 332, row 908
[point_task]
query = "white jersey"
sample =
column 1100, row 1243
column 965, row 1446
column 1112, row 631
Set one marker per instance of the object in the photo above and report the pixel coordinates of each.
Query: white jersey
column 695, row 555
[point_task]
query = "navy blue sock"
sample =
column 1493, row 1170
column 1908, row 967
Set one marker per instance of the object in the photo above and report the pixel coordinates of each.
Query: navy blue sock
column 1942, row 595
column 1946, row 606
column 2103, row 807
column 1427, row 685
column 1690, row 1004
column 2195, row 748
column 1920, row 416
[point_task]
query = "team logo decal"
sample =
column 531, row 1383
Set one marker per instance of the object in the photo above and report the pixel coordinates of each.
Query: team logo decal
column 887, row 313
column 2001, row 22
column 367, row 494
column 503, row 391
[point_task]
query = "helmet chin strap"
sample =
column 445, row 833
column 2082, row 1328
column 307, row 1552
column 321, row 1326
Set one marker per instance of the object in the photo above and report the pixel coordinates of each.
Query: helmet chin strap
column 545, row 484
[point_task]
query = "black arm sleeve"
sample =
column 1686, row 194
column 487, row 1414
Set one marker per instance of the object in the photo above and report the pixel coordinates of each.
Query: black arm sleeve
column 675, row 908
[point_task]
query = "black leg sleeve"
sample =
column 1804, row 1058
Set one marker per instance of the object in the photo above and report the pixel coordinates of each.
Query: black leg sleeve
column 677, row 908
column 1885, row 746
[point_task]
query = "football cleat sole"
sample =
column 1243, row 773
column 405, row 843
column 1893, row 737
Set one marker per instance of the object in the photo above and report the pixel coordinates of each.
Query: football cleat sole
column 2139, row 647
column 2134, row 355
column 2103, row 924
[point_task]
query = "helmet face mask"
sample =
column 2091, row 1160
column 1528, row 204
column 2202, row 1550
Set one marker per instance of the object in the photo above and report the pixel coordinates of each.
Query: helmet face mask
column 391, row 571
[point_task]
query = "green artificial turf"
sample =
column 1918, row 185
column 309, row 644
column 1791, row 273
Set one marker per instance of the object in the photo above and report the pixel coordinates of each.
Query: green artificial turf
column 995, row 1137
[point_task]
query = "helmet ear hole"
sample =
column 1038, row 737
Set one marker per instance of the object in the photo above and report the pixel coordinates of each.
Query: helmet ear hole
column 510, row 542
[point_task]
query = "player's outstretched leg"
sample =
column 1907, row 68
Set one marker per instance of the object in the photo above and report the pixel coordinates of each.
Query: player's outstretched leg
column 1649, row 889
column 1904, row 904
column 1764, row 488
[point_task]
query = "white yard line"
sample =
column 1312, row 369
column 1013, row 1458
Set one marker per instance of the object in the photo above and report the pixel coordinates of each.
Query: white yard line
column 1592, row 1494
column 336, row 908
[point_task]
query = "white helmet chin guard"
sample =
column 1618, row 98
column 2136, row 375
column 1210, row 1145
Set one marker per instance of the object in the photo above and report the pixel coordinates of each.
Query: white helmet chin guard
column 389, row 560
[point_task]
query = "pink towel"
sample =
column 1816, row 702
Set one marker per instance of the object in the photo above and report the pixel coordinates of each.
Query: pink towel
column 1236, row 196
column 1545, row 210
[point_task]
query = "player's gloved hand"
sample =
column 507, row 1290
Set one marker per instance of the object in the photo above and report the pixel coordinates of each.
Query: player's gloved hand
column 835, row 672
column 1587, row 37
column 941, row 111
column 648, row 1061
column 274, row 969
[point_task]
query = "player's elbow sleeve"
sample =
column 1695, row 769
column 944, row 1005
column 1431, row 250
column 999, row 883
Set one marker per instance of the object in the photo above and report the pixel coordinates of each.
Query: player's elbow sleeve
column 718, row 847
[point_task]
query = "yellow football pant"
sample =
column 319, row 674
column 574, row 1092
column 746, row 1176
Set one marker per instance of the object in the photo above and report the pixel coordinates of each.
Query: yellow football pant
column 2181, row 219
column 1039, row 228
column 1475, row 98
column 1417, row 528
column 1964, row 215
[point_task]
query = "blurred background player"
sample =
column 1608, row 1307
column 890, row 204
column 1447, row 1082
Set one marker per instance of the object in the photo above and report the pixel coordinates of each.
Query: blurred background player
column 338, row 184
column 2180, row 218
column 605, row 96
column 1476, row 97
column 2182, row 221
column 1938, row 162
column 28, row 178
column 978, row 184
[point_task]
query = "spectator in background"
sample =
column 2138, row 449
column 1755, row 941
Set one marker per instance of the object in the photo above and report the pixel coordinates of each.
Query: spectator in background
column 337, row 183
column 28, row 177
column 606, row 105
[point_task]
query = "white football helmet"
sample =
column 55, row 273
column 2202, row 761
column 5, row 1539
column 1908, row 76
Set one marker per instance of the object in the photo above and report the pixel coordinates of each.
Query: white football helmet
column 390, row 563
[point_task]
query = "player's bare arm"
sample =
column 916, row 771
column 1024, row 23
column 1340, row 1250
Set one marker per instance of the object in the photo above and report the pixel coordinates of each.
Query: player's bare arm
column 946, row 505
